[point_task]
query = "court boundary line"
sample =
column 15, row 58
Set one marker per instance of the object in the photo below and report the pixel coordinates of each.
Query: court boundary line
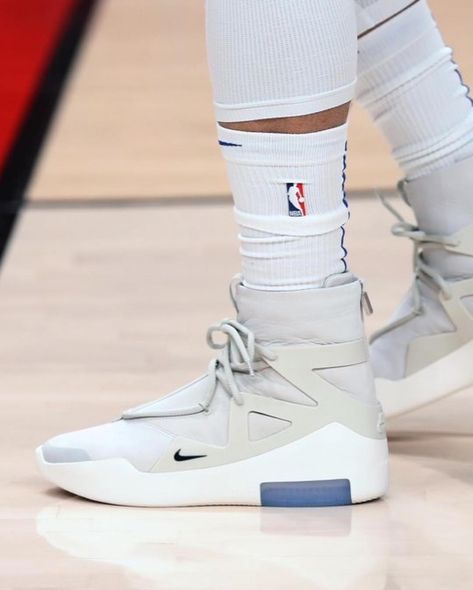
column 162, row 201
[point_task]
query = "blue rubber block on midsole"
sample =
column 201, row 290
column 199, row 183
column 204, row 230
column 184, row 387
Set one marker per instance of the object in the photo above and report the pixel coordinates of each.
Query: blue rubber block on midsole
column 330, row 492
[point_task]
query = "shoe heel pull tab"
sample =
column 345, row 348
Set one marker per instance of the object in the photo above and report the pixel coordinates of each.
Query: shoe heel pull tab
column 366, row 305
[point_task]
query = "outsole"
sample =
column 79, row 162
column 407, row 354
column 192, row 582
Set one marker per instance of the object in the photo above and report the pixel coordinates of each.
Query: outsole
column 445, row 377
column 331, row 467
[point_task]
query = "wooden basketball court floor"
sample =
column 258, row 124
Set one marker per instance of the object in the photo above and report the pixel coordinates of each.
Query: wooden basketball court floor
column 117, row 266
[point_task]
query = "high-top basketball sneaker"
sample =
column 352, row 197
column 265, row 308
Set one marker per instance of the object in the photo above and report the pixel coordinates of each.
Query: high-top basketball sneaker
column 285, row 416
column 426, row 352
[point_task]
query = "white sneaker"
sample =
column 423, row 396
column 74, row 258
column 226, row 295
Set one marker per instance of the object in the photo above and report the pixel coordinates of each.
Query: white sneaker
column 426, row 353
column 286, row 416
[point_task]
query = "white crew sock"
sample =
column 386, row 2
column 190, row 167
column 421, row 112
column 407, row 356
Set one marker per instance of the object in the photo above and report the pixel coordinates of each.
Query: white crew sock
column 272, row 59
column 290, row 205
column 414, row 91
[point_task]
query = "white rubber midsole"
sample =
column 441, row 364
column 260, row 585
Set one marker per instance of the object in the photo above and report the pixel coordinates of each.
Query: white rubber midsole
column 331, row 453
column 444, row 377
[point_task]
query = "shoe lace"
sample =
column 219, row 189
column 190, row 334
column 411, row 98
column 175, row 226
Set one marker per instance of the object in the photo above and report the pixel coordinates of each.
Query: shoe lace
column 423, row 272
column 239, row 353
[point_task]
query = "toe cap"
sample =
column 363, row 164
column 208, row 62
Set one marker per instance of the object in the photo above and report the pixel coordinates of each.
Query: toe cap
column 56, row 454
column 137, row 441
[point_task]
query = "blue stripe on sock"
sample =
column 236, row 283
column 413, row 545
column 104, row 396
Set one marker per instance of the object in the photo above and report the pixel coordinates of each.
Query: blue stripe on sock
column 460, row 75
column 345, row 251
column 300, row 494
column 228, row 144
column 345, row 202
column 462, row 81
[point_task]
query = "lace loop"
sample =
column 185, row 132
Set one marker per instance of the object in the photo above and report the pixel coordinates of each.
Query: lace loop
column 239, row 353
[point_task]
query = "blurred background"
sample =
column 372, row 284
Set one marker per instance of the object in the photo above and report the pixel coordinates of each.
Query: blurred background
column 135, row 120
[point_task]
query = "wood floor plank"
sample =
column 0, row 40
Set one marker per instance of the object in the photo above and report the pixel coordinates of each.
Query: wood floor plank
column 104, row 308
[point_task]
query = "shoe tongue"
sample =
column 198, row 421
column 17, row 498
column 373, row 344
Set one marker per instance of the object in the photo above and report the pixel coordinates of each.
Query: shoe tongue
column 328, row 314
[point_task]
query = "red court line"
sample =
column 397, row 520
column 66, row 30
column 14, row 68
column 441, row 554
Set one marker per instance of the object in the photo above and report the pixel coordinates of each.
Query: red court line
column 29, row 31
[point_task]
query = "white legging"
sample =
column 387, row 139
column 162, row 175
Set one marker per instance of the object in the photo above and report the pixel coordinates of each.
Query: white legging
column 279, row 58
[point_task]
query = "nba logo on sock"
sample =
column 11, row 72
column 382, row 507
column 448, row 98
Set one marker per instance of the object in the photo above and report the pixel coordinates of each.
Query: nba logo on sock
column 296, row 199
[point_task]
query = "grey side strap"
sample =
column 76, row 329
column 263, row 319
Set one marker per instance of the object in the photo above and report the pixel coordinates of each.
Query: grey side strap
column 299, row 365
column 322, row 356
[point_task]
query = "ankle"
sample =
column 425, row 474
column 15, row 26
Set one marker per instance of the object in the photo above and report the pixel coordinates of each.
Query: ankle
column 312, row 123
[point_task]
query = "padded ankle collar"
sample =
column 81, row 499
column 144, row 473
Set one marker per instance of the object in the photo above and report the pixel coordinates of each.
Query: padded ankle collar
column 326, row 315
